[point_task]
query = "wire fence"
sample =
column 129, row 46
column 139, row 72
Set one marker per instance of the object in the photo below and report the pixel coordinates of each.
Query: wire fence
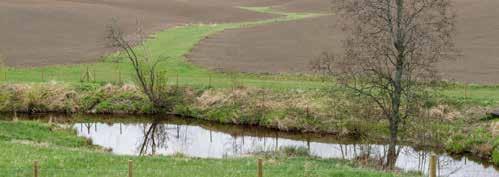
column 132, row 169
column 246, row 169
column 27, row 172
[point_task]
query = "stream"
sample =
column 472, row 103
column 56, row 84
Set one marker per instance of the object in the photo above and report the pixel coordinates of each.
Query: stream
column 138, row 136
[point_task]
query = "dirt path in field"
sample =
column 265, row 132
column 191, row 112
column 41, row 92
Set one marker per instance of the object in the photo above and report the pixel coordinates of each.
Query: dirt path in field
column 46, row 32
column 289, row 47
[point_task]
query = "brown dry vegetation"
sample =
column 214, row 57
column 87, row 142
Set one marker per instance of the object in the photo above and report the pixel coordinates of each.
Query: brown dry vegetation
column 289, row 47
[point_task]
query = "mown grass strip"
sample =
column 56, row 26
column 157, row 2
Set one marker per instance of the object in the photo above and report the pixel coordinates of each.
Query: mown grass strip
column 170, row 45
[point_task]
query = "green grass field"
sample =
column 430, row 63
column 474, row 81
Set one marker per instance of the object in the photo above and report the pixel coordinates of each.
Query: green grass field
column 61, row 153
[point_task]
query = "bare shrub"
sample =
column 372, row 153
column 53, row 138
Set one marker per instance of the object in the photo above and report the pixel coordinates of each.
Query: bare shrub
column 148, row 77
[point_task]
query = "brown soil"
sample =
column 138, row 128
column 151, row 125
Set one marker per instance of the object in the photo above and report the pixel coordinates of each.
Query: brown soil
column 289, row 47
column 45, row 32
column 278, row 48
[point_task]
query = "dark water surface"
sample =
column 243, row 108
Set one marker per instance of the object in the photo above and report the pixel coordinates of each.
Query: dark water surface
column 133, row 136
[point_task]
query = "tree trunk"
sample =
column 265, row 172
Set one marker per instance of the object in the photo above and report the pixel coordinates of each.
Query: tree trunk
column 397, row 90
column 391, row 158
column 395, row 114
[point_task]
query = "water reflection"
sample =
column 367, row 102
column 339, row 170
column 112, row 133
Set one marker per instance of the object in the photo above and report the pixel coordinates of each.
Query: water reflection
column 215, row 142
column 155, row 136
column 204, row 139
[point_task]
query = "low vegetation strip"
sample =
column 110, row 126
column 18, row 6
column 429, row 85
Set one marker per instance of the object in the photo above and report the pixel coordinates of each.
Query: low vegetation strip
column 61, row 153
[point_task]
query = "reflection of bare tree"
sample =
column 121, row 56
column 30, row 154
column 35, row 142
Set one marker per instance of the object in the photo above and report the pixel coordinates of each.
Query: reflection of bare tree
column 343, row 152
column 236, row 147
column 177, row 127
column 155, row 136
column 308, row 144
column 449, row 166
column 88, row 125
column 368, row 154
column 185, row 141
column 422, row 159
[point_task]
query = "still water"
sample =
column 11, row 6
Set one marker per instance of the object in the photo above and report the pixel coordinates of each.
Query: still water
column 138, row 136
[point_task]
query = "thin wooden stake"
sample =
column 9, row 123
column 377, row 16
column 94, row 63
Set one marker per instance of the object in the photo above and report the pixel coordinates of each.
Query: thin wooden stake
column 209, row 81
column 119, row 76
column 260, row 168
column 466, row 91
column 130, row 168
column 35, row 168
column 43, row 75
column 87, row 75
column 177, row 80
column 433, row 165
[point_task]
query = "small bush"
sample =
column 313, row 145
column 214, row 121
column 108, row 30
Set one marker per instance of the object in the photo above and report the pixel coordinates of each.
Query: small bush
column 456, row 145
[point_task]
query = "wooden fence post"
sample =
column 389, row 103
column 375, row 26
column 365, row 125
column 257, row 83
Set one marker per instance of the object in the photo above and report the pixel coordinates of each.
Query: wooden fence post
column 433, row 165
column 35, row 168
column 130, row 168
column 260, row 168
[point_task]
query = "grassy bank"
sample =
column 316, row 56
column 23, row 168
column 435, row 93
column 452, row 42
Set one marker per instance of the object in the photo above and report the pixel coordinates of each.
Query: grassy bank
column 459, row 127
column 61, row 153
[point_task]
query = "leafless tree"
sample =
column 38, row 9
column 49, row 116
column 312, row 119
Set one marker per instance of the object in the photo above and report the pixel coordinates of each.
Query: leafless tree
column 391, row 53
column 151, row 81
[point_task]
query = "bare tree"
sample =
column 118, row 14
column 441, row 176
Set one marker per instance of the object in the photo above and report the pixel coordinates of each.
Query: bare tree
column 391, row 52
column 151, row 81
